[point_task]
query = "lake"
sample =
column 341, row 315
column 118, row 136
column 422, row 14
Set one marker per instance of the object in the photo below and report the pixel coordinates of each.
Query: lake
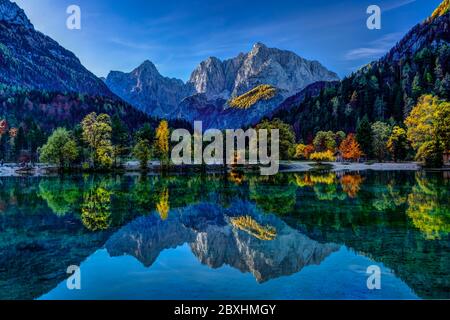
column 309, row 235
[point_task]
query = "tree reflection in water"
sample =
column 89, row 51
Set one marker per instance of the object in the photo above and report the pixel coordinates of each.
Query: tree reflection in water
column 249, row 225
column 399, row 218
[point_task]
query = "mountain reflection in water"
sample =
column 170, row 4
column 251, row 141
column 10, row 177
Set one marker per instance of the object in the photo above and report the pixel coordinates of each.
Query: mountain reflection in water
column 215, row 242
column 275, row 229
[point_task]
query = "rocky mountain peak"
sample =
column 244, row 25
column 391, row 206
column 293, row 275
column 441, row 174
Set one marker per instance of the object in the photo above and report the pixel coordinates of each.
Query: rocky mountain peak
column 148, row 90
column 259, row 46
column 147, row 67
column 209, row 77
column 262, row 65
column 12, row 14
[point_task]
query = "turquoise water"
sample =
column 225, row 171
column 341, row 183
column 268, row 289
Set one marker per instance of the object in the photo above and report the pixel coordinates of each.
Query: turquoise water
column 235, row 236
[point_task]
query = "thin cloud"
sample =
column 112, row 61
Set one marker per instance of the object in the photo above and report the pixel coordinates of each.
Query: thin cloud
column 398, row 4
column 376, row 48
column 133, row 45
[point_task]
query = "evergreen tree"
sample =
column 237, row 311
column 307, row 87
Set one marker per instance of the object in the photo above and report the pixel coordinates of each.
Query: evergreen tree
column 364, row 136
column 19, row 143
column 119, row 138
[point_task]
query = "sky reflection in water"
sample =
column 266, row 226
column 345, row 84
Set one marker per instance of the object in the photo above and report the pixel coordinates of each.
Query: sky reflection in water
column 293, row 236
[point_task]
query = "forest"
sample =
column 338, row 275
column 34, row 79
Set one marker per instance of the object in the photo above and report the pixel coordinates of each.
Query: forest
column 101, row 142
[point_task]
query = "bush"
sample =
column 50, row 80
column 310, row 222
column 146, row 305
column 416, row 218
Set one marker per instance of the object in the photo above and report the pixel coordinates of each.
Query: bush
column 323, row 156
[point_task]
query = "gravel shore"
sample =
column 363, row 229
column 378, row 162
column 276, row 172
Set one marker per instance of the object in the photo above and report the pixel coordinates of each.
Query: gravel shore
column 10, row 170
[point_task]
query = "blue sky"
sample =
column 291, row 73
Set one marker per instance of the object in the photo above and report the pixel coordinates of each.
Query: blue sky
column 177, row 35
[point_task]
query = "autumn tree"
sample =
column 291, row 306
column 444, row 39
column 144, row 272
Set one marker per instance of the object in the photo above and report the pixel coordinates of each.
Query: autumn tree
column 303, row 151
column 60, row 149
column 3, row 127
column 327, row 156
column 97, row 134
column 428, row 130
column 398, row 144
column 161, row 143
column 350, row 149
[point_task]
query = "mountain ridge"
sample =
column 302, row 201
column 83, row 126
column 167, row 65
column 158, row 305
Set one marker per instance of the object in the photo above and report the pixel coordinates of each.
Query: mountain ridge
column 32, row 60
column 384, row 90
column 214, row 81
column 147, row 89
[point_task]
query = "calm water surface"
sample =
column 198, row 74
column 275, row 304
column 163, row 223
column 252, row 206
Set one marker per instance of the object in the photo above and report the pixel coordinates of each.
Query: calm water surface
column 236, row 236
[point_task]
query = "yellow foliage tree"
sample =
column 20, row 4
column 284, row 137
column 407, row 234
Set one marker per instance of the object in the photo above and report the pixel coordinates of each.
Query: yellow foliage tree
column 97, row 133
column 428, row 129
column 443, row 8
column 420, row 122
column 161, row 144
column 323, row 156
column 247, row 100
column 252, row 227
column 163, row 206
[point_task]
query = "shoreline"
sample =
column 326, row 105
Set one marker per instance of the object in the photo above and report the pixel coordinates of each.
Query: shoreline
column 10, row 169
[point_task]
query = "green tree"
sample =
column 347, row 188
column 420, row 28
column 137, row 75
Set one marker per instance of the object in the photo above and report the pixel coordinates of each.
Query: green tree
column 381, row 132
column 60, row 149
column 145, row 133
column 96, row 209
column 19, row 143
column 364, row 136
column 325, row 141
column 340, row 137
column 379, row 108
column 119, row 138
column 416, row 86
column 142, row 152
column 287, row 136
column 97, row 134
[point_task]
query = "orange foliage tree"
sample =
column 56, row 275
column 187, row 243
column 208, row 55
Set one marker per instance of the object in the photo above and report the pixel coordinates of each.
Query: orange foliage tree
column 350, row 149
column 351, row 184
column 3, row 127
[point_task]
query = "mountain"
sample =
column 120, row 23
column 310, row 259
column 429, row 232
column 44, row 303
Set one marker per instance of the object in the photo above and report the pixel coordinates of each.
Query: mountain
column 262, row 65
column 219, row 237
column 32, row 60
column 44, row 86
column 146, row 89
column 205, row 96
column 220, row 114
column 383, row 90
column 49, row 110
